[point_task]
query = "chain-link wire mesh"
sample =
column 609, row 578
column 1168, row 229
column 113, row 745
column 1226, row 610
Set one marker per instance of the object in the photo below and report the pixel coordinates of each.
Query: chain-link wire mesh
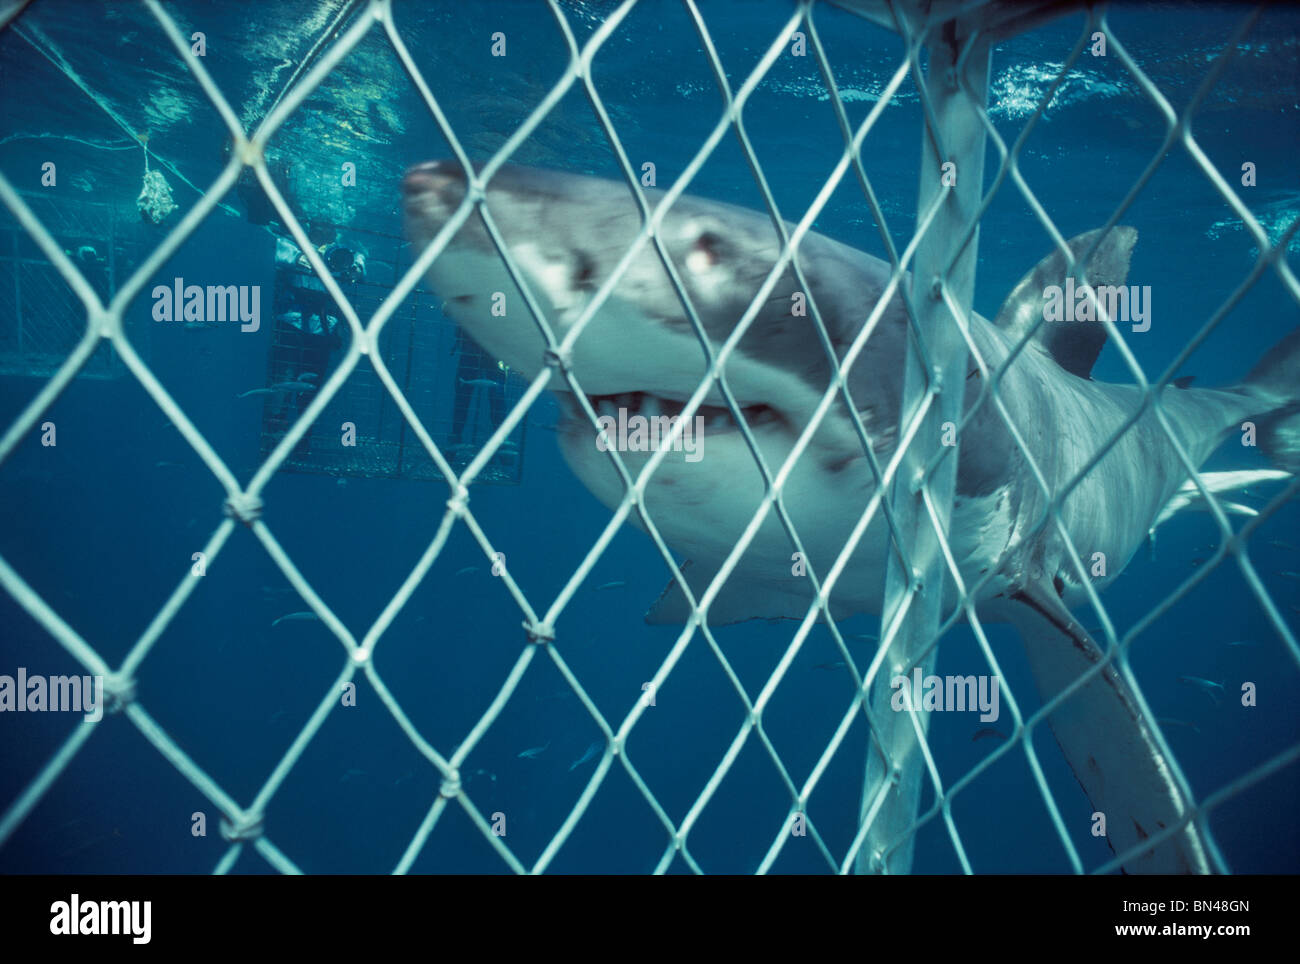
column 942, row 250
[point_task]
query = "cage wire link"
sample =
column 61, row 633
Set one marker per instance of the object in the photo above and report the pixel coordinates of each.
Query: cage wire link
column 916, row 514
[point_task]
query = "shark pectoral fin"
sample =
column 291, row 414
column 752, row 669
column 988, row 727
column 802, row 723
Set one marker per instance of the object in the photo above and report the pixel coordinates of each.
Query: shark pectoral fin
column 1105, row 738
column 738, row 600
column 1074, row 347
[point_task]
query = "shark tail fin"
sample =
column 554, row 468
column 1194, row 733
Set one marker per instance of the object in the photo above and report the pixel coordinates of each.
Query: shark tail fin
column 1275, row 381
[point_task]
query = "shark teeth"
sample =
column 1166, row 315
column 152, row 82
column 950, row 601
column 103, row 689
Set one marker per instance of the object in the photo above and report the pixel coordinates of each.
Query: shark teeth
column 716, row 417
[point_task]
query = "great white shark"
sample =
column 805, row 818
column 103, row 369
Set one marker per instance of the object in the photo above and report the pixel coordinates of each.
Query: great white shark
column 566, row 233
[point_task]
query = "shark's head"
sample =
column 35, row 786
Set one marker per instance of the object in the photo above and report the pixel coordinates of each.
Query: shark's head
column 567, row 233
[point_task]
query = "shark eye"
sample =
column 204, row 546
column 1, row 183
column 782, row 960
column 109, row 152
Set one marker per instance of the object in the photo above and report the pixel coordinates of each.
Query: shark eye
column 705, row 253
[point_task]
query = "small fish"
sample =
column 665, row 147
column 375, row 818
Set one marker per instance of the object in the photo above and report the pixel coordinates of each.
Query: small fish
column 1197, row 560
column 1242, row 642
column 294, row 387
column 479, row 382
column 168, row 465
column 592, row 751
column 870, row 637
column 988, row 732
column 1282, row 545
column 483, row 773
column 838, row 664
column 296, row 618
column 616, row 584
column 1287, row 574
column 351, row 774
column 1211, row 689
column 94, row 841
column 466, row 571
column 278, row 715
column 403, row 778
column 257, row 391
column 533, row 752
column 1169, row 721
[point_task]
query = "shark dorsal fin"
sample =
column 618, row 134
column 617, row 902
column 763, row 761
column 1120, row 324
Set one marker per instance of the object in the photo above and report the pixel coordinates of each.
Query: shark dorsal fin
column 1074, row 345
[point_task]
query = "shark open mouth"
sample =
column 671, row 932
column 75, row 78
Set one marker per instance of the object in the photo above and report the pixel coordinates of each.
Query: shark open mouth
column 717, row 418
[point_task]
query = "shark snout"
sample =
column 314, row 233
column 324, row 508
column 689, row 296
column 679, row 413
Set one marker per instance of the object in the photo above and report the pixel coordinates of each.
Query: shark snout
column 430, row 193
column 438, row 178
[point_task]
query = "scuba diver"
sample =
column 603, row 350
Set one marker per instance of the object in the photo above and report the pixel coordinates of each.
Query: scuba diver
column 257, row 205
column 307, row 328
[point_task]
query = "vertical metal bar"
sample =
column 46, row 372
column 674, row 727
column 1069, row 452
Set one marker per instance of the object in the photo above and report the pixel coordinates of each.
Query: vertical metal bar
column 18, row 295
column 406, row 387
column 523, row 434
column 114, row 364
column 956, row 105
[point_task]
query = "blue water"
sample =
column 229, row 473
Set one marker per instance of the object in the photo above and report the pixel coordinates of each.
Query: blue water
column 103, row 525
